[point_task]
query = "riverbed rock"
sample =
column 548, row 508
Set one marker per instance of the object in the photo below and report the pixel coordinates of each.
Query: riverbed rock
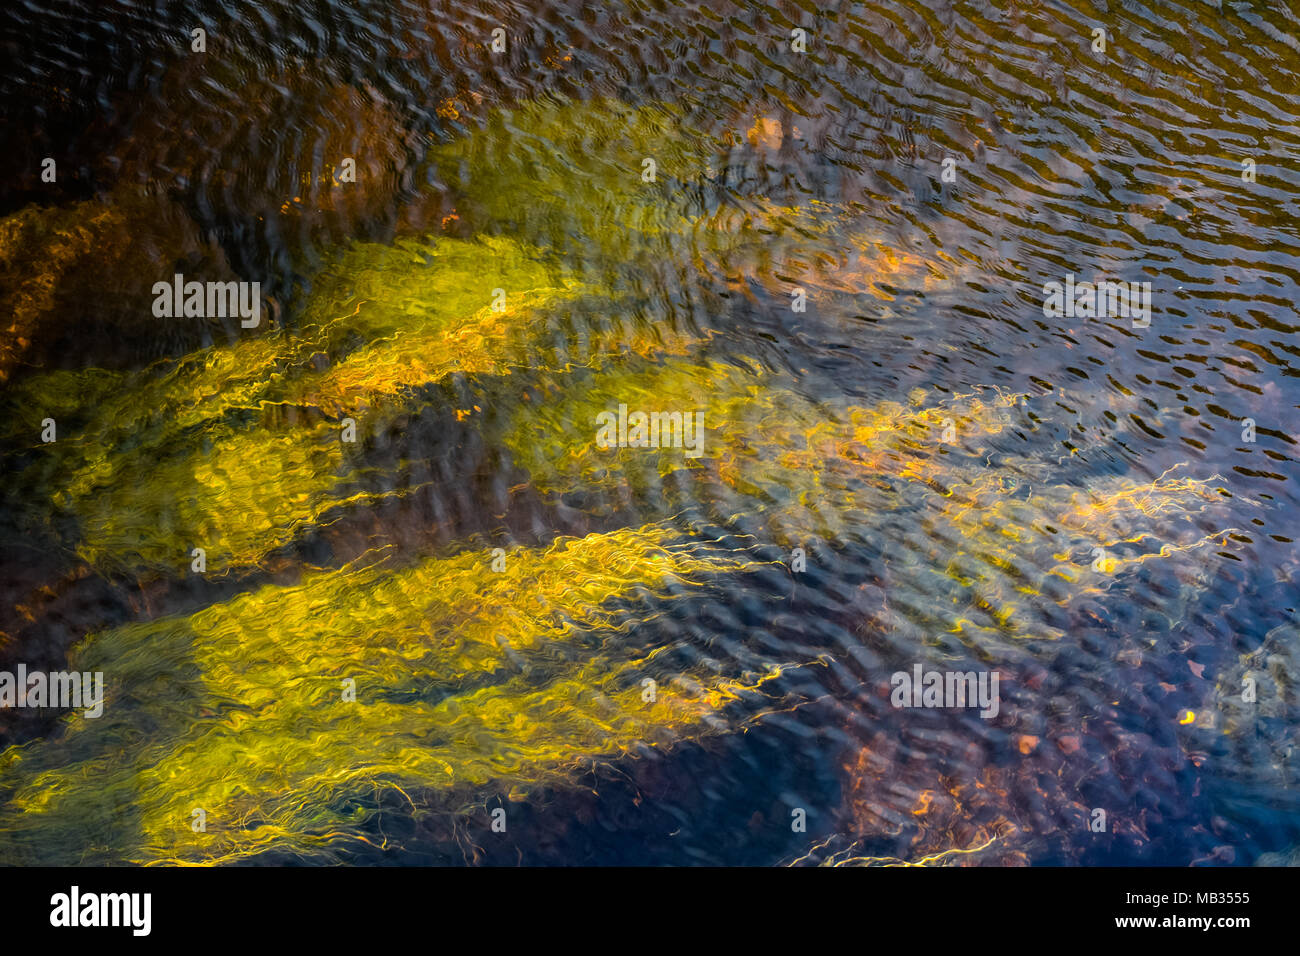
column 297, row 157
column 76, row 282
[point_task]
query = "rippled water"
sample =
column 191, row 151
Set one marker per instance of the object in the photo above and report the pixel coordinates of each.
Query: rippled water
column 904, row 460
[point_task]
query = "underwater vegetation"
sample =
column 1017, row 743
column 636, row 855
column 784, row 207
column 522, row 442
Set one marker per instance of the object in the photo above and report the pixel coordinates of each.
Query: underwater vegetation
column 586, row 161
column 240, row 710
column 151, row 470
column 1023, row 578
column 291, row 711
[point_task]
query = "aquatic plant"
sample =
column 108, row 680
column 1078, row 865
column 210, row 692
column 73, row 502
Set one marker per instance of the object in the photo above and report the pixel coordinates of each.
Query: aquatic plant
column 574, row 175
column 994, row 546
column 976, row 554
column 239, row 709
column 154, row 469
column 810, row 467
column 422, row 310
column 1004, row 551
column 829, row 250
column 150, row 464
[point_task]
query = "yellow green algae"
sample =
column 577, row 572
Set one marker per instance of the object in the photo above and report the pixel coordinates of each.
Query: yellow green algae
column 825, row 249
column 424, row 310
column 239, row 709
column 573, row 174
column 977, row 550
column 169, row 462
column 201, row 453
column 807, row 464
column 987, row 558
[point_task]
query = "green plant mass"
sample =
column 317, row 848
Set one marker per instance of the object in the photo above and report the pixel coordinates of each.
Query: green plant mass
column 282, row 712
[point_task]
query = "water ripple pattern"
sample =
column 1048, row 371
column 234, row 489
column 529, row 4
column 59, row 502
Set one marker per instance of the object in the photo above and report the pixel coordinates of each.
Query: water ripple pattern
column 642, row 394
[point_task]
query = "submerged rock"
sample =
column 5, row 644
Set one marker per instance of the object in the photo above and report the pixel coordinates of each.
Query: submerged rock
column 76, row 282
column 302, row 159
column 1248, row 729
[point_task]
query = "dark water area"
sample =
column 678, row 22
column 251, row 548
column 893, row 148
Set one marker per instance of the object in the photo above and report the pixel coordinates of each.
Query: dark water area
column 840, row 255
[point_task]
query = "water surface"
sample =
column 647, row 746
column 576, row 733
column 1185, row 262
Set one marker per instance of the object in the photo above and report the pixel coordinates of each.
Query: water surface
column 864, row 338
